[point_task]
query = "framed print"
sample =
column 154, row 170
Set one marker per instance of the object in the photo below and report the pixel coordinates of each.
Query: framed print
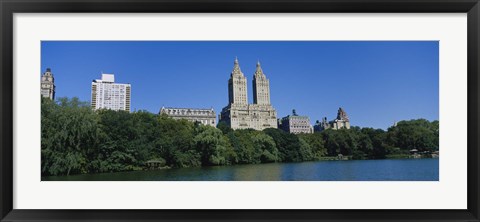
column 258, row 111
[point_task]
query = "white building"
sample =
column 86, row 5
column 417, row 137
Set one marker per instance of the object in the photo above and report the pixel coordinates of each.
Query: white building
column 203, row 116
column 106, row 94
column 47, row 85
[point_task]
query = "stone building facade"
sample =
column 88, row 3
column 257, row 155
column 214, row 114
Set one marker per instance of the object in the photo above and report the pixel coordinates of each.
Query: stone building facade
column 47, row 85
column 342, row 121
column 106, row 94
column 203, row 116
column 238, row 114
column 295, row 124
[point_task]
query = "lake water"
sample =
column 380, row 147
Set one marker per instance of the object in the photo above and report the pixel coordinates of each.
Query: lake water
column 351, row 170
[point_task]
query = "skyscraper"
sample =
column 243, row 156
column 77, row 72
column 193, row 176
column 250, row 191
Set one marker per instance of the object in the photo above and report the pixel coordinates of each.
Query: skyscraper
column 238, row 114
column 106, row 94
column 47, row 85
column 261, row 87
column 237, row 86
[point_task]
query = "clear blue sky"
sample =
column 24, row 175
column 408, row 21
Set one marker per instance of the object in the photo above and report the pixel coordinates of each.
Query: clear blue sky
column 376, row 83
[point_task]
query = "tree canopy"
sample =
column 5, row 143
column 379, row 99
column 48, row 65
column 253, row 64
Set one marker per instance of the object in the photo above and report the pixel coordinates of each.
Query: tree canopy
column 76, row 139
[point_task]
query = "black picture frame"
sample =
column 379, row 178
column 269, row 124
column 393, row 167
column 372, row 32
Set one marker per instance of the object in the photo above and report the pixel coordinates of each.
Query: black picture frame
column 9, row 7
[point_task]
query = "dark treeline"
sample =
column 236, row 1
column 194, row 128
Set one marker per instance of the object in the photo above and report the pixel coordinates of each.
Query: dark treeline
column 77, row 140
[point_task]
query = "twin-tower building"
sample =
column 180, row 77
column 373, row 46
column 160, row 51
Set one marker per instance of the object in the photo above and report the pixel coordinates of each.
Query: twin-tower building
column 239, row 114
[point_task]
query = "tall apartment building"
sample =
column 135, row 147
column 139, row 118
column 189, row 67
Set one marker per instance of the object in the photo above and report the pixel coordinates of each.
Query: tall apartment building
column 47, row 85
column 239, row 114
column 106, row 94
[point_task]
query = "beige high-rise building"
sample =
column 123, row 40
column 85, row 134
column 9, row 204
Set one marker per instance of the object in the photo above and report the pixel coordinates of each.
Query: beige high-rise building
column 261, row 87
column 237, row 86
column 47, row 85
column 238, row 114
column 106, row 94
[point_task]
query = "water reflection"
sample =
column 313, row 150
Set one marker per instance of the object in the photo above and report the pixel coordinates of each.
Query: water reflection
column 258, row 172
column 361, row 170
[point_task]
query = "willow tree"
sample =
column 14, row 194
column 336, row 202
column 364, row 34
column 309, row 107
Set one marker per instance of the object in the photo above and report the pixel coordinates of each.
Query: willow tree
column 69, row 133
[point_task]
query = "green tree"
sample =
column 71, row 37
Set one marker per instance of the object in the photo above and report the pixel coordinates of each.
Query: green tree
column 211, row 144
column 377, row 139
column 288, row 145
column 316, row 143
column 224, row 127
column 174, row 142
column 265, row 148
column 417, row 134
column 243, row 146
column 69, row 132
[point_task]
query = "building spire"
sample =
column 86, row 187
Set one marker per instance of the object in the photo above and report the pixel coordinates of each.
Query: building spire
column 259, row 71
column 236, row 68
column 48, row 72
column 261, row 87
column 342, row 115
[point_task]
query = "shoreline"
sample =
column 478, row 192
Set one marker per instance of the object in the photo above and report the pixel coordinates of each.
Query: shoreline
column 166, row 168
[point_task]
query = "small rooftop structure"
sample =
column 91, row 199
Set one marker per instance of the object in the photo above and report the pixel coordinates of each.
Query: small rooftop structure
column 106, row 78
